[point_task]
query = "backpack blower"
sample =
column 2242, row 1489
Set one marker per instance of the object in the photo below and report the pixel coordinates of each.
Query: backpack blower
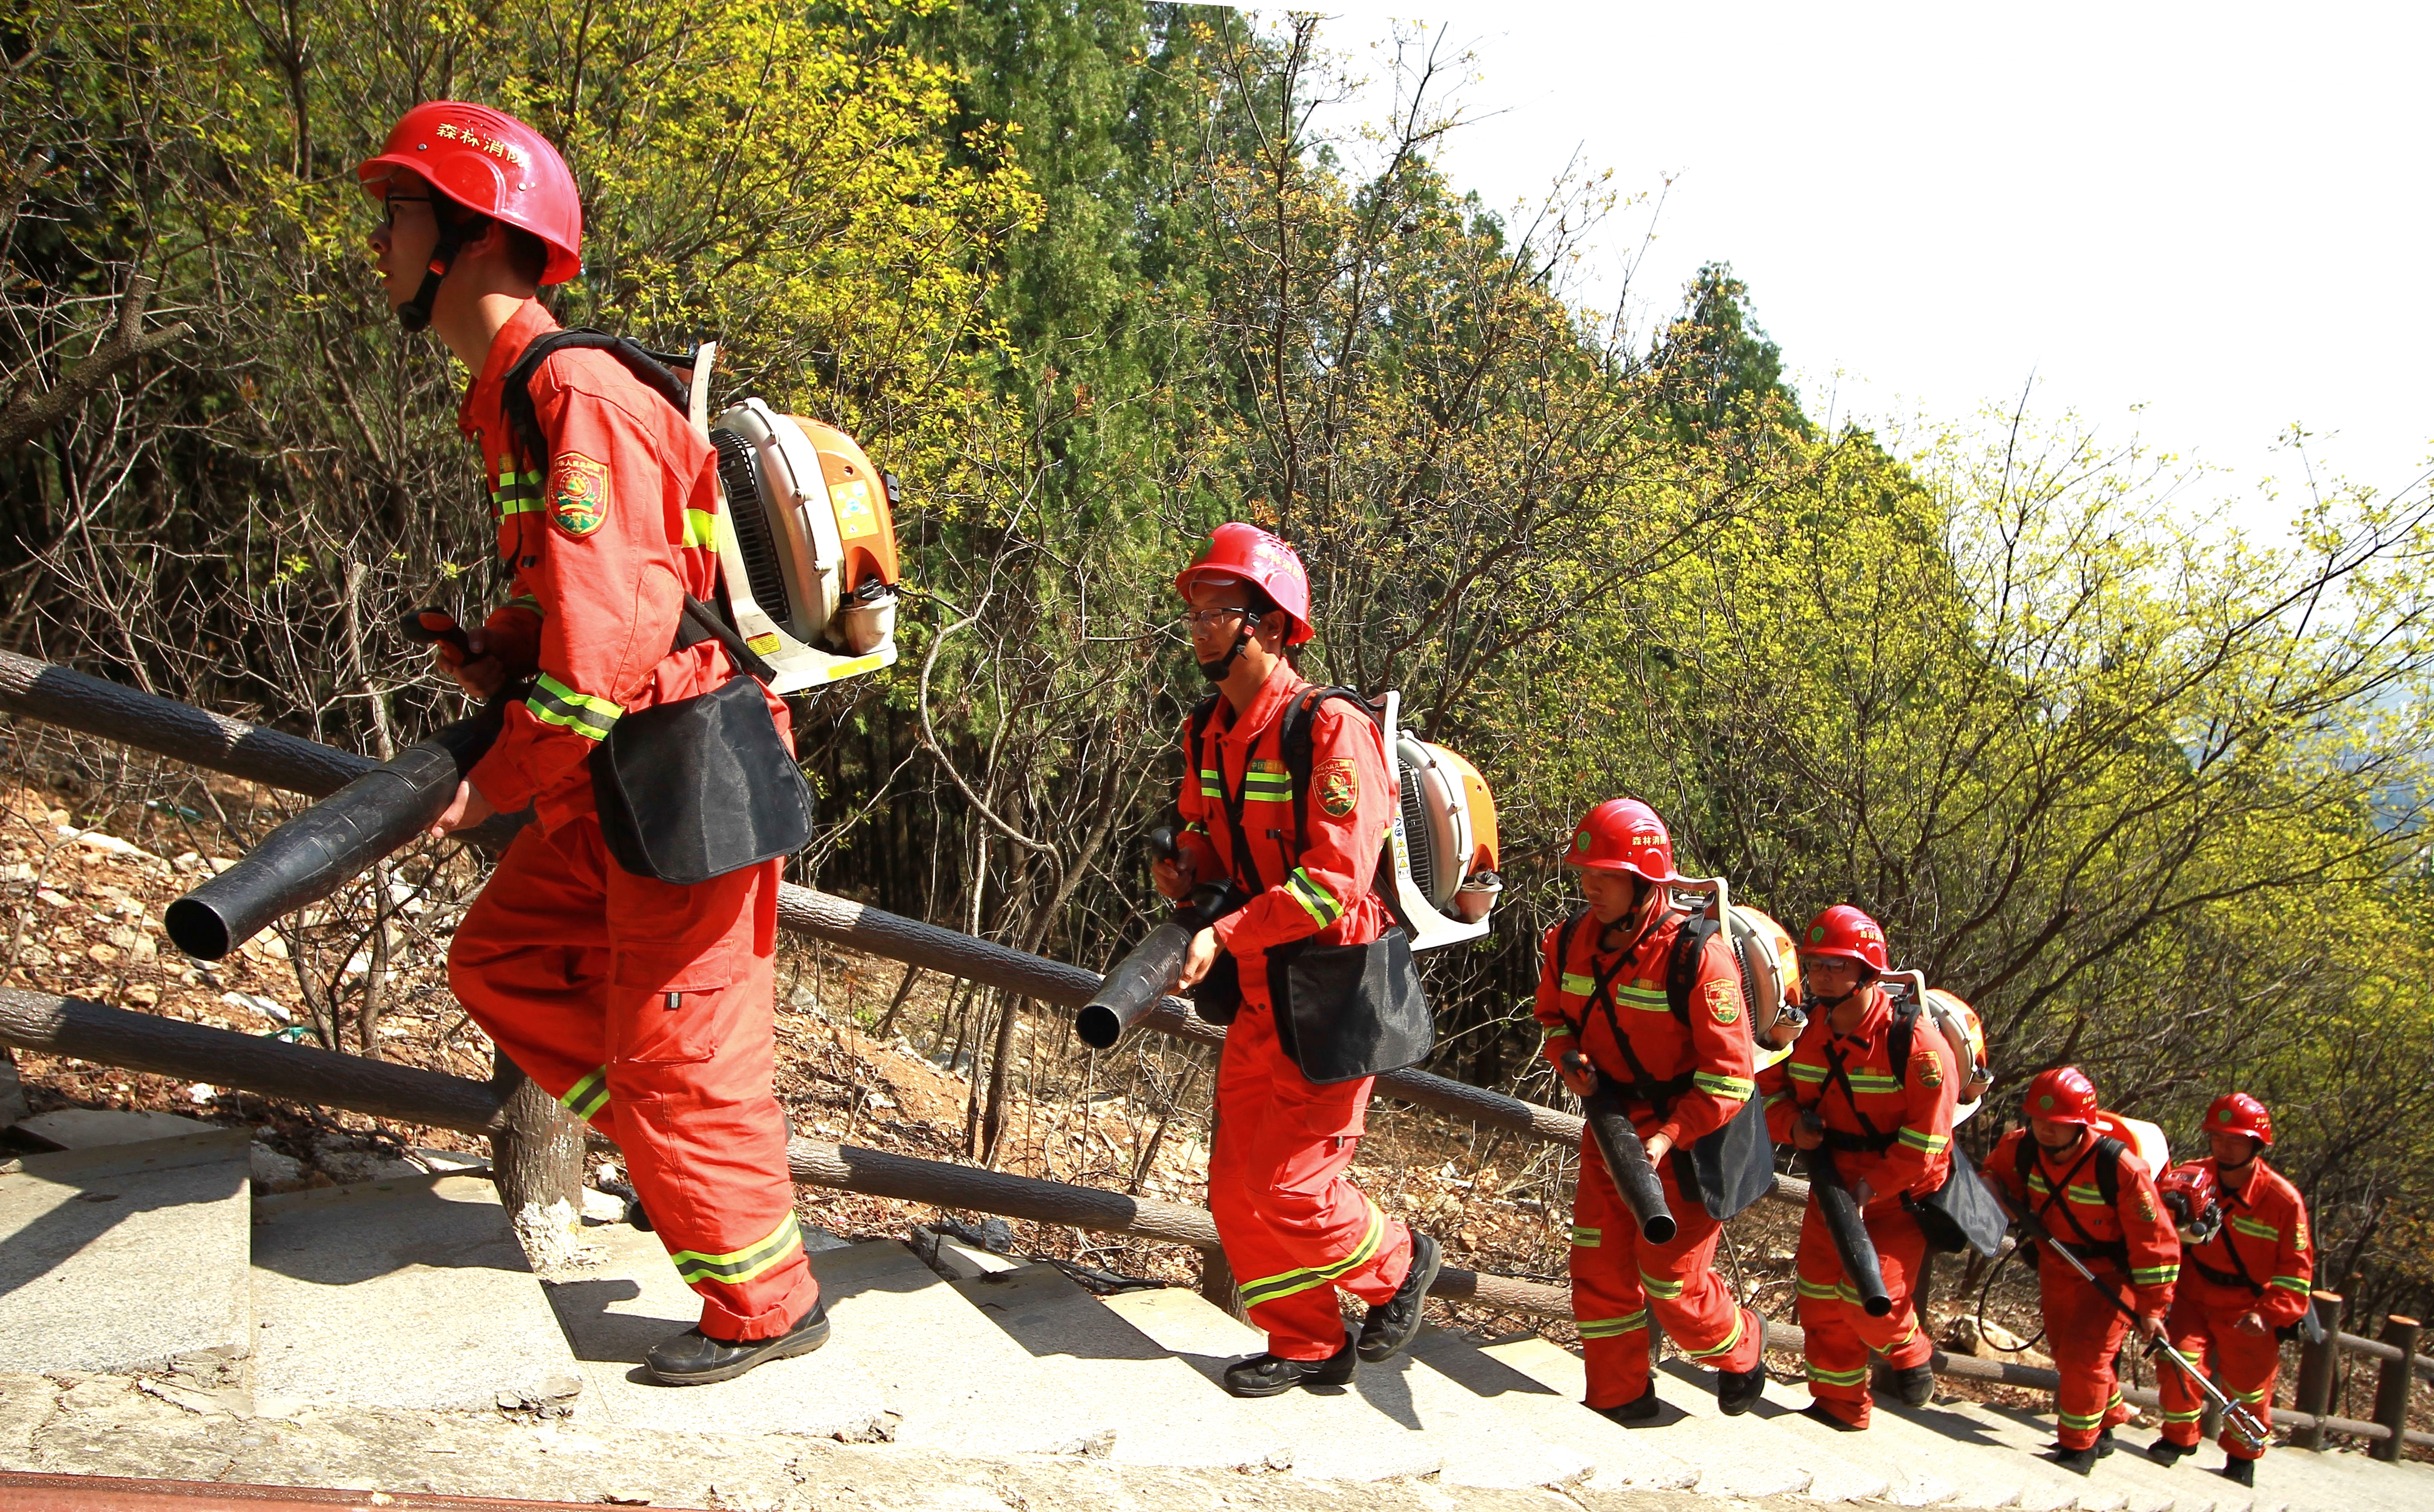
column 807, row 569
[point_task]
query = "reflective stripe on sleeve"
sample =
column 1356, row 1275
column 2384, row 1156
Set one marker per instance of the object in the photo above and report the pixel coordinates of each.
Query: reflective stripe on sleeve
column 1577, row 985
column 1931, row 1144
column 1315, row 900
column 701, row 530
column 2255, row 1229
column 2291, row 1283
column 588, row 1094
column 2152, row 1275
column 553, row 702
column 1737, row 1088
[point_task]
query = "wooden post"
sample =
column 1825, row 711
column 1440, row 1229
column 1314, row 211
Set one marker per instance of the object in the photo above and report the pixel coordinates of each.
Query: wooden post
column 2391, row 1386
column 2317, row 1363
column 1217, row 1283
column 538, row 1157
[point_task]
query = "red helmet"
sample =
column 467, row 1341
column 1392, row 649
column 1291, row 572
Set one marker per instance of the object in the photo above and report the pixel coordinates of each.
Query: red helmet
column 1623, row 835
column 492, row 164
column 2063, row 1096
column 1246, row 553
column 1847, row 934
column 2239, row 1113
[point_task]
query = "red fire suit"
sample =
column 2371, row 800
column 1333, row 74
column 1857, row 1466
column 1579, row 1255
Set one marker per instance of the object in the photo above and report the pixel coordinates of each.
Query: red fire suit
column 2127, row 1242
column 2261, row 1261
column 1297, row 1232
column 1890, row 1127
column 643, row 1007
column 1601, row 1002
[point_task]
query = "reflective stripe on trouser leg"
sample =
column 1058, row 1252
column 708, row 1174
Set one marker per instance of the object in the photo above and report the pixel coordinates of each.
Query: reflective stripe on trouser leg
column 2083, row 1331
column 1292, row 1222
column 1839, row 1333
column 1624, row 1280
column 2242, row 1364
column 568, row 962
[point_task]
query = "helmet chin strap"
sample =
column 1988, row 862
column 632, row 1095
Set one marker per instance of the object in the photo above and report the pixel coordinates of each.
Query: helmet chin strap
column 415, row 313
column 1217, row 671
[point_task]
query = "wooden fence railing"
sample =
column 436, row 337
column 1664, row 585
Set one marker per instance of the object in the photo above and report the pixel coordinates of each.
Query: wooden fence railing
column 521, row 1124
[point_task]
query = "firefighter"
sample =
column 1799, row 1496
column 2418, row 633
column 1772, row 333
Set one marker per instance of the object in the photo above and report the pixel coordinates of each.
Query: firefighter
column 644, row 1007
column 1886, row 1114
column 2251, row 1277
column 1683, row 1069
column 1296, row 1231
column 2070, row 1187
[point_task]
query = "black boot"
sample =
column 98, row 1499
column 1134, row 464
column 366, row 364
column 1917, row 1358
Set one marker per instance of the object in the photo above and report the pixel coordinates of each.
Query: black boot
column 2077, row 1461
column 1264, row 1375
column 1914, row 1385
column 2167, row 1454
column 1392, row 1323
column 693, row 1358
column 2240, row 1471
column 2105, row 1444
column 1639, row 1409
column 1738, row 1391
column 1817, row 1412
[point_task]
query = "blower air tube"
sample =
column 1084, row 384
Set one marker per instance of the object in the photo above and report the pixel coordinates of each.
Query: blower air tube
column 1133, row 988
column 1626, row 1164
column 320, row 850
column 1856, row 1251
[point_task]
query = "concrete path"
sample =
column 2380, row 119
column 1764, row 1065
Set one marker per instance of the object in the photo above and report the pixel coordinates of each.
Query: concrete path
column 1400, row 1418
column 1165, row 1412
column 952, row 1381
column 1625, row 1458
column 126, row 1256
column 613, row 1315
column 408, row 1293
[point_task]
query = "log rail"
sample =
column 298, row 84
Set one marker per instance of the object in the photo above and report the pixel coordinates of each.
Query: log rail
column 94, row 1031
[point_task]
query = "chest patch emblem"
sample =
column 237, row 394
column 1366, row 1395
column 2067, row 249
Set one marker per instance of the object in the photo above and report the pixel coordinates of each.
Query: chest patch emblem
column 578, row 493
column 1723, row 1001
column 1926, row 1071
column 1337, row 782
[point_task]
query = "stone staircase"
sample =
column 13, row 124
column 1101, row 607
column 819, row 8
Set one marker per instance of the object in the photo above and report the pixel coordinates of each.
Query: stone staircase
column 157, row 1318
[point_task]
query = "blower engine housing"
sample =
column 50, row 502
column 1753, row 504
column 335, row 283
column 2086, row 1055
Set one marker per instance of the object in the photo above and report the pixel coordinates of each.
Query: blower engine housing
column 806, row 546
column 1443, row 838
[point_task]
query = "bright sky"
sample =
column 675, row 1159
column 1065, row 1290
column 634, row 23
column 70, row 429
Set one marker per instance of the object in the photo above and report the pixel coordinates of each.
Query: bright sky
column 2218, row 214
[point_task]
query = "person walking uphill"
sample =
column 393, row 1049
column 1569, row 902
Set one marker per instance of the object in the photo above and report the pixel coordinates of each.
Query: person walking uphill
column 645, row 1007
column 1607, row 1004
column 2073, row 1187
column 1884, row 1108
column 2252, row 1276
column 1295, row 1232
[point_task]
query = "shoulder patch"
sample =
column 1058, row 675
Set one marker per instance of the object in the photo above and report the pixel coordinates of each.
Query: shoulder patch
column 1928, row 1069
column 578, row 493
column 1723, row 1001
column 1337, row 782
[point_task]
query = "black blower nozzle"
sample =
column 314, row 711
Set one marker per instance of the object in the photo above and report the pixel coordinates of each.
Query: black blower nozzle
column 1845, row 1226
column 320, row 850
column 1626, row 1164
column 1133, row 989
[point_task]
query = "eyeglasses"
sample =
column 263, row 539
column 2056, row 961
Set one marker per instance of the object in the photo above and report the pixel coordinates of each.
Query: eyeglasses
column 390, row 202
column 1209, row 619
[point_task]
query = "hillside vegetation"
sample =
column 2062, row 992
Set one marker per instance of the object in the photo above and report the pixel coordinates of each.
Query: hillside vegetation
column 1089, row 279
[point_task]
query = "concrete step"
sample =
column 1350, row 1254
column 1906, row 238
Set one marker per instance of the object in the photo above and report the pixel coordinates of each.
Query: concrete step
column 1731, row 1461
column 1165, row 1412
column 126, row 1256
column 613, row 1315
column 1926, row 1457
column 952, row 1379
column 1626, row 1459
column 410, row 1293
column 1401, row 1418
column 2123, row 1482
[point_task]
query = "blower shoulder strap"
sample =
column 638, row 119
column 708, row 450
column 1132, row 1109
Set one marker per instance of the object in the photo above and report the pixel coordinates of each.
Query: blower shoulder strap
column 698, row 621
column 1682, row 966
column 1296, row 741
column 515, row 390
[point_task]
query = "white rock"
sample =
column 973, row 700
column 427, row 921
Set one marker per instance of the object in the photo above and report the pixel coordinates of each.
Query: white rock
column 274, row 1172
